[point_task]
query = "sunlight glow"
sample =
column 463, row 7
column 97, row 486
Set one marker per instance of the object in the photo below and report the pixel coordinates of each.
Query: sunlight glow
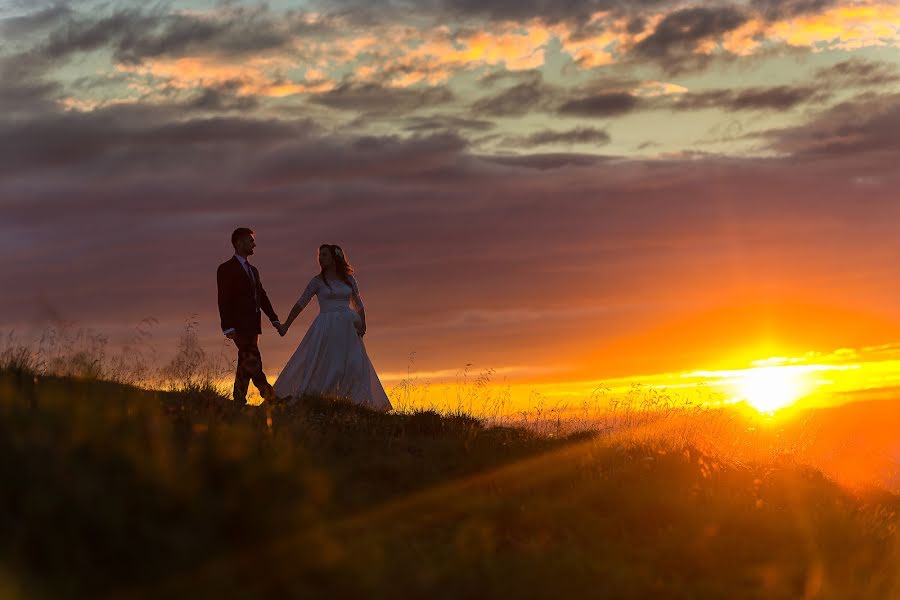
column 768, row 389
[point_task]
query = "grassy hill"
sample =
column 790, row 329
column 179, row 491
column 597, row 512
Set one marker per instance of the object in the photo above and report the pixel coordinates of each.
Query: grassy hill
column 113, row 490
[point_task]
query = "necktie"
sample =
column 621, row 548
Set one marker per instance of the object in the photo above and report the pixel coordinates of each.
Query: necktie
column 253, row 283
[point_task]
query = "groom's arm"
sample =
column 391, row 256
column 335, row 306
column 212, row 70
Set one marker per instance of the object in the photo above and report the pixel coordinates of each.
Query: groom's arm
column 264, row 303
column 226, row 304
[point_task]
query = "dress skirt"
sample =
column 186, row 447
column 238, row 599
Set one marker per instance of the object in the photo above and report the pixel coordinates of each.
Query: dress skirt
column 331, row 361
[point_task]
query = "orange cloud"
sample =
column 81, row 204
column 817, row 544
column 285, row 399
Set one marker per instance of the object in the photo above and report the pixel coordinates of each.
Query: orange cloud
column 431, row 56
column 843, row 27
column 257, row 77
column 434, row 56
column 607, row 46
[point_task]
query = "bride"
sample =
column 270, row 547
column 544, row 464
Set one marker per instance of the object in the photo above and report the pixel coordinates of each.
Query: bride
column 331, row 360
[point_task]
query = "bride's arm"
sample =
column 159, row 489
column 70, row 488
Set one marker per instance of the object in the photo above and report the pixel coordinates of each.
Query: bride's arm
column 310, row 291
column 295, row 312
column 360, row 307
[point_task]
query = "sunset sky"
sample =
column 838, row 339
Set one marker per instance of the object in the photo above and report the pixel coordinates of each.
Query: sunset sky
column 570, row 193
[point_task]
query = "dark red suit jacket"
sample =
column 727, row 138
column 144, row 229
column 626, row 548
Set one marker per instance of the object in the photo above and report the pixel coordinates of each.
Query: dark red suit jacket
column 240, row 307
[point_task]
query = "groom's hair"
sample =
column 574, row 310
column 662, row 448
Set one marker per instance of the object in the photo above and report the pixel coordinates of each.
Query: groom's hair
column 240, row 232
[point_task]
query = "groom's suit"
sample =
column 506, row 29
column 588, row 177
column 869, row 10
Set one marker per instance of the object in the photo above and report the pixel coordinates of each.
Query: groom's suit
column 242, row 300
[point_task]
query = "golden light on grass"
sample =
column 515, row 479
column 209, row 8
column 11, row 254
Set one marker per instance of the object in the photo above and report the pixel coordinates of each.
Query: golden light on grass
column 768, row 389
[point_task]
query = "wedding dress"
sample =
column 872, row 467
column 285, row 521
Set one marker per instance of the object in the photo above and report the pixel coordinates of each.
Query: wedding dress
column 331, row 360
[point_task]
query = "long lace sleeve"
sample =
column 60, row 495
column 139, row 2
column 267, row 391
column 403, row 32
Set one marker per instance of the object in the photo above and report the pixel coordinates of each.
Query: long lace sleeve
column 311, row 288
column 357, row 300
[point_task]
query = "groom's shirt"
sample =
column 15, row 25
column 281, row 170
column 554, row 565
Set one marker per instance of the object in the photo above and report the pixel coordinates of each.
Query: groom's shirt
column 246, row 266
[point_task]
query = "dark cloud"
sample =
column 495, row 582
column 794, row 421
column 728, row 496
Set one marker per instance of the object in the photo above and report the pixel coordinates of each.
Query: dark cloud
column 373, row 98
column 776, row 98
column 393, row 158
column 636, row 25
column 604, row 98
column 220, row 99
column 445, row 123
column 135, row 35
column 129, row 138
column 858, row 72
column 579, row 135
column 512, row 10
column 600, row 105
column 14, row 27
column 238, row 32
column 548, row 11
column 79, row 35
column 676, row 39
column 502, row 76
column 774, row 10
column 28, row 96
column 867, row 124
column 515, row 101
column 548, row 161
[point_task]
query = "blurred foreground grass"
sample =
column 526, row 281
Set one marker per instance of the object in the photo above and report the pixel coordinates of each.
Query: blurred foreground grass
column 119, row 491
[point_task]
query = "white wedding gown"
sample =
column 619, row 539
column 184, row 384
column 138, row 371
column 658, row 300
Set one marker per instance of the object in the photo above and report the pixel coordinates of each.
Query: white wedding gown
column 331, row 359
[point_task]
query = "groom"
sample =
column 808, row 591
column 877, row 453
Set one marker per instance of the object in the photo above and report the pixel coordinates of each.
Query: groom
column 241, row 298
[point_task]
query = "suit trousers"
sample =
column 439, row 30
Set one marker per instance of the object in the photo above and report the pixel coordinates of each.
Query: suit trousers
column 249, row 368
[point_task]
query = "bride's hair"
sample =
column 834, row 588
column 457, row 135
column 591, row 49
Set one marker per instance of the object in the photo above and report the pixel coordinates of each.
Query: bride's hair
column 341, row 265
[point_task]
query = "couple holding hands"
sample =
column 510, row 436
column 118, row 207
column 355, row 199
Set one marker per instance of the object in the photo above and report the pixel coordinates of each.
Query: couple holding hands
column 330, row 361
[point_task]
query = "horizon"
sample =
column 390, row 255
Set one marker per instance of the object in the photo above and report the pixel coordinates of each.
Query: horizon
column 692, row 198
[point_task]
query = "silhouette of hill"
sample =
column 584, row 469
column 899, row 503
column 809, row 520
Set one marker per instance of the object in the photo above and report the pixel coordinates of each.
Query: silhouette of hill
column 115, row 490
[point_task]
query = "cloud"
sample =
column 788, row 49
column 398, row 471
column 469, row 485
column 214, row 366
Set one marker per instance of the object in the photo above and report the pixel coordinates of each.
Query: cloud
column 221, row 99
column 776, row 98
column 434, row 54
column 547, row 161
column 372, row 98
column 678, row 40
column 39, row 20
column 601, row 105
column 776, row 10
column 25, row 97
column 859, row 72
column 514, row 101
column 446, row 122
column 128, row 138
column 866, row 124
column 269, row 53
column 136, row 35
column 387, row 158
column 845, row 26
column 579, row 135
column 368, row 12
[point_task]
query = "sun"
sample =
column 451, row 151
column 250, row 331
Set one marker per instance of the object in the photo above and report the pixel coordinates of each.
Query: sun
column 768, row 389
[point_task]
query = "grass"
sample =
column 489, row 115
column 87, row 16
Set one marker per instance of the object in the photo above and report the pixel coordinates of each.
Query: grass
column 172, row 490
column 117, row 490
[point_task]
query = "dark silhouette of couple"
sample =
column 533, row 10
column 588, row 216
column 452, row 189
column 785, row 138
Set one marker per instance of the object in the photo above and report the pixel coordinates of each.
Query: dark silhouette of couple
column 331, row 359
